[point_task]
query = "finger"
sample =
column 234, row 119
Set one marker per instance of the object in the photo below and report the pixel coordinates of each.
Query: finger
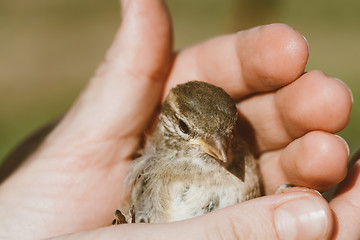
column 300, row 214
column 256, row 60
column 317, row 160
column 313, row 102
column 346, row 206
column 121, row 97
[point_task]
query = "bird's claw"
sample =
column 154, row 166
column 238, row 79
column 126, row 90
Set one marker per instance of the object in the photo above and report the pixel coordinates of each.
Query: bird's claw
column 283, row 188
column 120, row 218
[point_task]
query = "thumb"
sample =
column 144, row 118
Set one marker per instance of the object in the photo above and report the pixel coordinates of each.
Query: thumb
column 296, row 214
column 120, row 99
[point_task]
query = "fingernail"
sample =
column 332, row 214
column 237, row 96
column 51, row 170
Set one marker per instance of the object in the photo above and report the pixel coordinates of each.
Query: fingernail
column 307, row 43
column 347, row 87
column 345, row 143
column 302, row 218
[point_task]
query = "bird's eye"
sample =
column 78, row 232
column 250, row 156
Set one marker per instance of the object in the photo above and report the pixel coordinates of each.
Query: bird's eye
column 183, row 127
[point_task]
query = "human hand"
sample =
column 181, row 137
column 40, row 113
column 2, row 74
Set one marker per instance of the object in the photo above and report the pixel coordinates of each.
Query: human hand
column 73, row 181
column 345, row 204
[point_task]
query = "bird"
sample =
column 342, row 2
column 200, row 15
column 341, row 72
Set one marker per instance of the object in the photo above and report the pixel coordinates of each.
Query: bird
column 195, row 161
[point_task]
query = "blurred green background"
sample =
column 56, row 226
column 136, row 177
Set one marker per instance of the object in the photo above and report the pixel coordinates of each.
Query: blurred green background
column 49, row 49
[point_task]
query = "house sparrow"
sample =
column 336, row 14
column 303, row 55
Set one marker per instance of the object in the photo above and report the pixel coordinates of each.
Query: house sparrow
column 195, row 161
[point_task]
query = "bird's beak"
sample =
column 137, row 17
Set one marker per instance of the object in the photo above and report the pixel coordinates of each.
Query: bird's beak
column 216, row 146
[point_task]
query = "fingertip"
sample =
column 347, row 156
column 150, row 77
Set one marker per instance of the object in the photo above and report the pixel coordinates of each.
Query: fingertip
column 344, row 144
column 306, row 217
column 314, row 102
column 330, row 161
column 144, row 40
column 280, row 59
column 292, row 47
column 316, row 160
column 297, row 214
column 333, row 93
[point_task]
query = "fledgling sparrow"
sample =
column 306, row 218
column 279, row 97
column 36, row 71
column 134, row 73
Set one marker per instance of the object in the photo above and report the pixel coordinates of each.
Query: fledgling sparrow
column 195, row 161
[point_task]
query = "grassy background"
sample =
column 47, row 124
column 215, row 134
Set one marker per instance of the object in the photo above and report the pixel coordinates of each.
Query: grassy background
column 49, row 49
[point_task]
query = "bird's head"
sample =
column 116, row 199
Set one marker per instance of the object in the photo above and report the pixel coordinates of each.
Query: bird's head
column 199, row 114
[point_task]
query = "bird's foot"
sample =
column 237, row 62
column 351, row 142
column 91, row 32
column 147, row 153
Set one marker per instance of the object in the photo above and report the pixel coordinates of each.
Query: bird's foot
column 120, row 218
column 283, row 188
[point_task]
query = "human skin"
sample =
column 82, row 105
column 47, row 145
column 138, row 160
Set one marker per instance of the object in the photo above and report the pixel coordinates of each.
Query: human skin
column 73, row 181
